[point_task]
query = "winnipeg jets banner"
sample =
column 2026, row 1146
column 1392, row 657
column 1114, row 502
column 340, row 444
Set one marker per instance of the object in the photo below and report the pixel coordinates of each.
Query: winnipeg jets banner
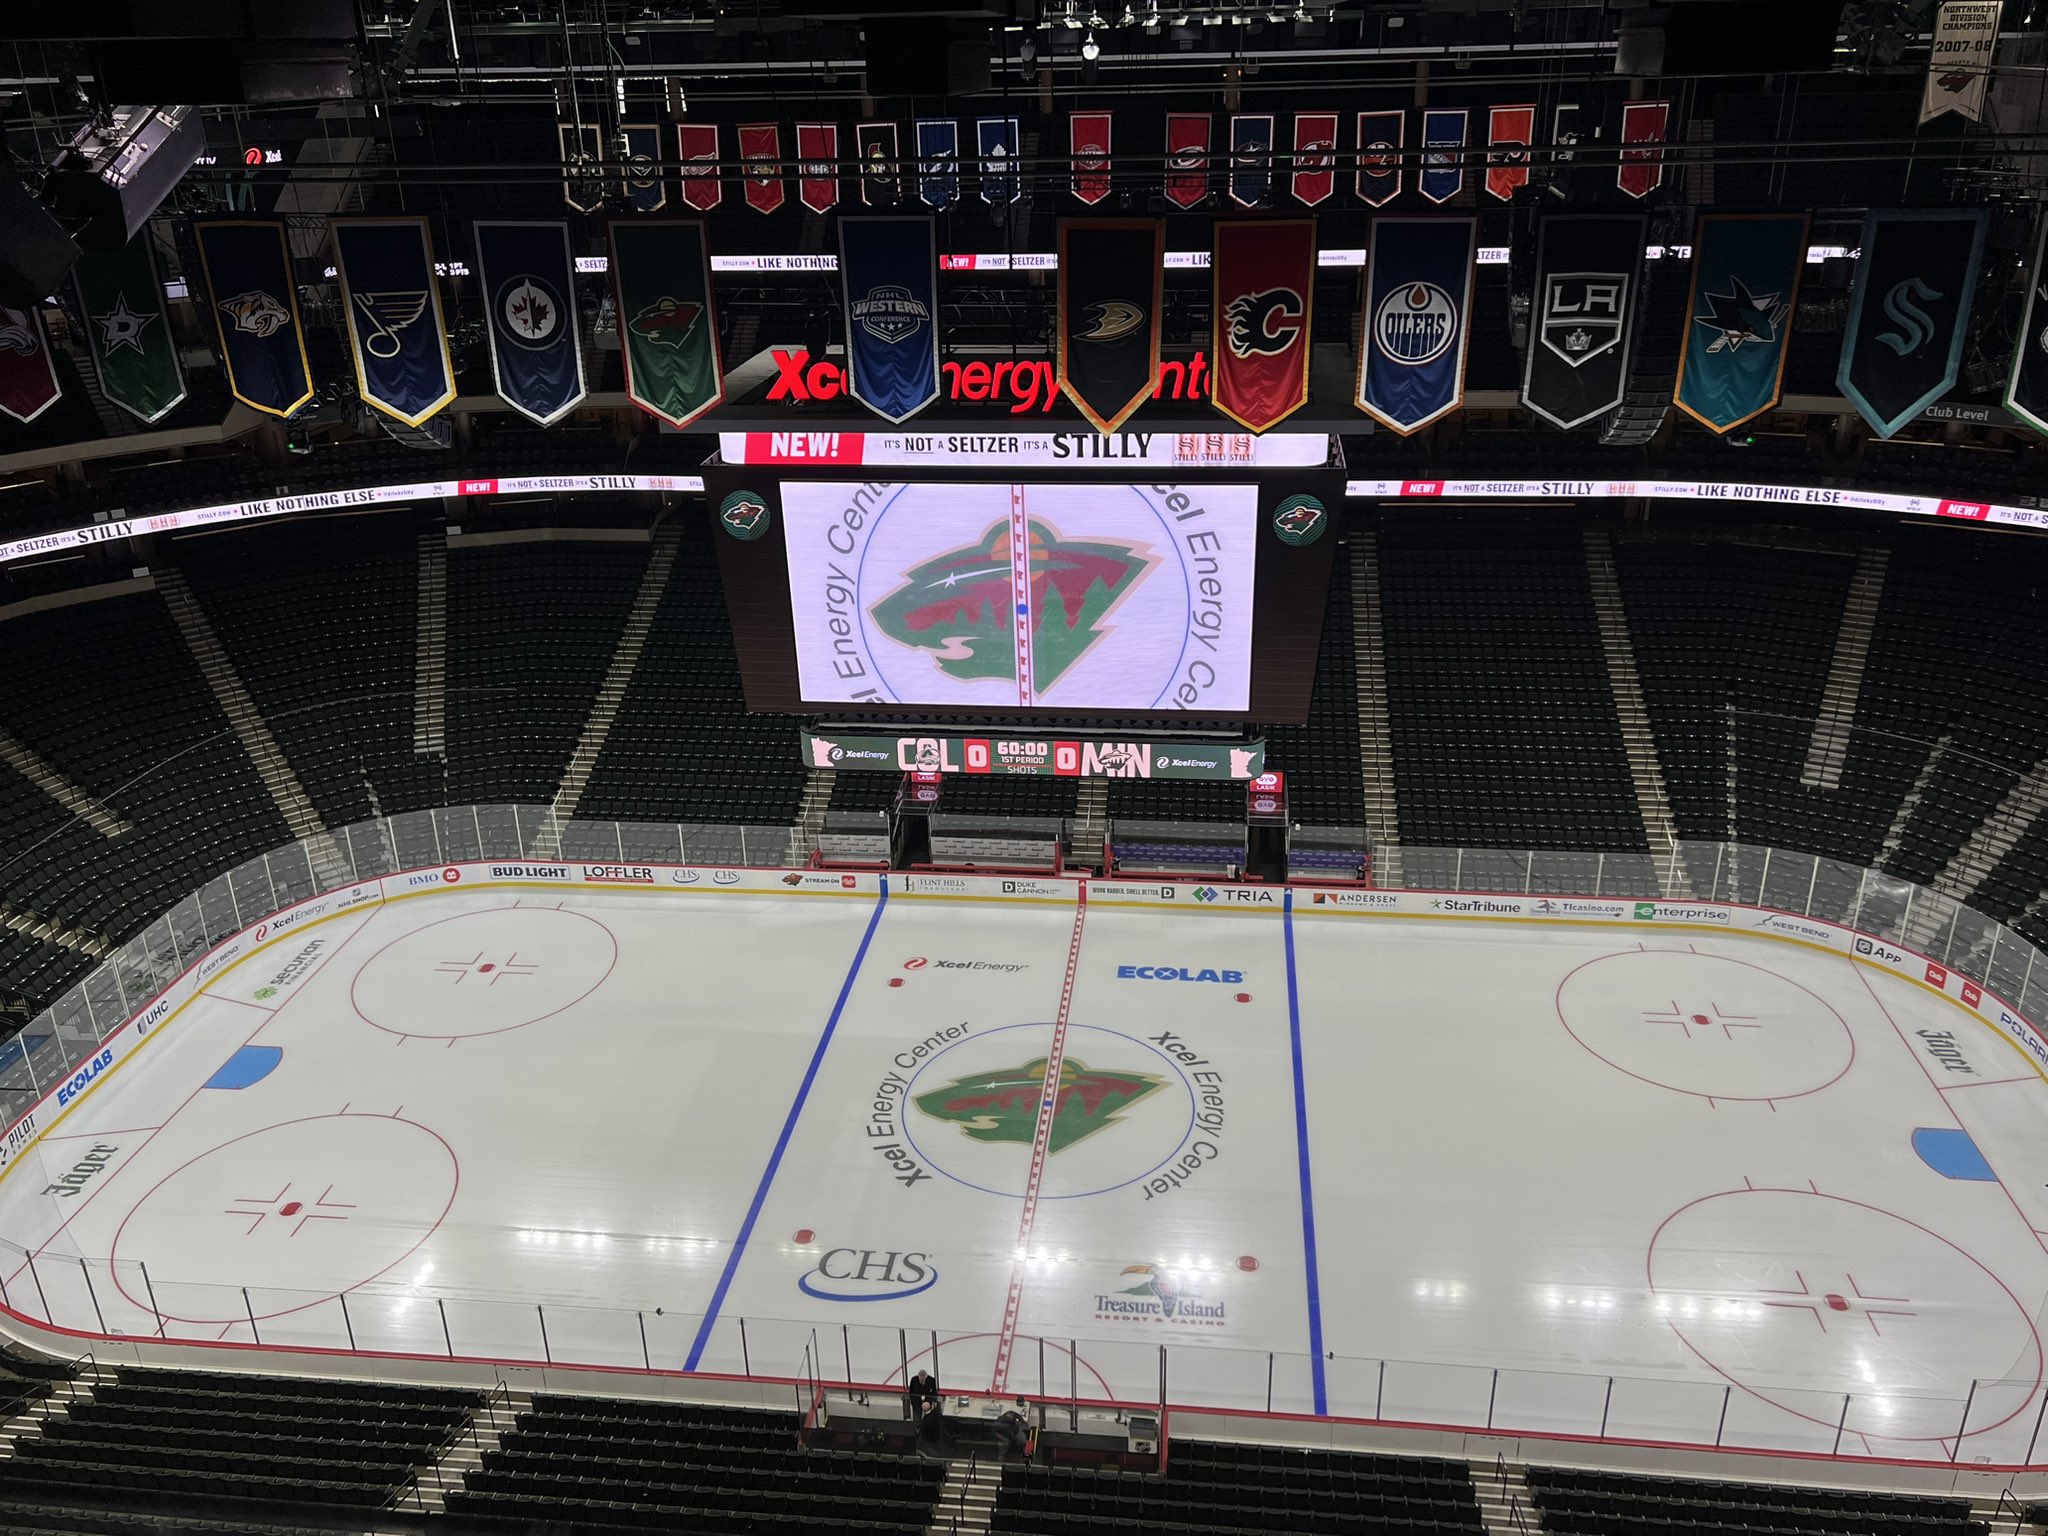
column 1111, row 276
column 817, row 157
column 1417, row 312
column 889, row 281
column 1909, row 311
column 28, row 379
column 393, row 303
column 1379, row 156
column 998, row 140
column 122, row 299
column 1588, row 273
column 1251, row 158
column 1443, row 154
column 1641, row 168
column 880, row 174
column 1088, row 136
column 255, row 307
column 645, row 188
column 697, row 153
column 1508, row 132
column 1187, row 158
column 1959, row 65
column 668, row 328
column 938, row 161
column 761, row 160
column 2026, row 391
column 1315, row 156
column 1264, row 274
column 528, row 280
column 1745, row 291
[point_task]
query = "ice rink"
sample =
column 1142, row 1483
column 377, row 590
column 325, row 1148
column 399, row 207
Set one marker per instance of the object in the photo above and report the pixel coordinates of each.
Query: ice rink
column 1676, row 1185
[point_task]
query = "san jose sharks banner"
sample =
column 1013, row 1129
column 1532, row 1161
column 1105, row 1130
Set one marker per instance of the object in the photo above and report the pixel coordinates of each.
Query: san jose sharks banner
column 817, row 158
column 1315, row 156
column 1111, row 276
column 1251, row 158
column 938, row 161
column 582, row 154
column 1187, row 158
column 1909, row 311
column 1641, row 168
column 1588, row 272
column 999, row 142
column 393, row 303
column 1443, row 154
column 1379, row 156
column 255, row 307
column 1959, row 63
column 881, row 174
column 1745, row 291
column 668, row 327
column 1508, row 133
column 122, row 300
column 2026, row 391
column 646, row 188
column 697, row 152
column 761, row 162
column 28, row 378
column 1417, row 317
column 889, row 282
column 528, row 278
column 1089, row 136
column 1264, row 272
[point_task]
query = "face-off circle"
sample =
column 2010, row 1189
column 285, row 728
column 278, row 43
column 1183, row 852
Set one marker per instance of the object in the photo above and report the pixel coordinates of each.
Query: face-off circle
column 482, row 973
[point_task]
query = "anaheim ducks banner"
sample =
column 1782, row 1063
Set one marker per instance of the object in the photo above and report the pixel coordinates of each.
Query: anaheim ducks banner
column 528, row 278
column 1417, row 316
column 1315, row 156
column 1187, row 158
column 1588, row 272
column 2026, row 392
column 1909, row 311
column 254, row 302
column 1089, row 136
column 28, row 377
column 668, row 327
column 1264, row 275
column 393, row 303
column 697, row 150
column 889, row 285
column 1111, row 277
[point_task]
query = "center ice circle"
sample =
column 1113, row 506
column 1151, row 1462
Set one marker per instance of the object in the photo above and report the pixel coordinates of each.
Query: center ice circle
column 482, row 973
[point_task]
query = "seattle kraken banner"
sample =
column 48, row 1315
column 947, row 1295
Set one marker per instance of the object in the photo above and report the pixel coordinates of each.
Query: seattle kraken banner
column 393, row 304
column 1417, row 314
column 1745, row 290
column 1909, row 311
column 1588, row 272
column 998, row 138
column 938, row 161
column 889, row 278
column 2026, row 392
column 255, row 309
column 528, row 281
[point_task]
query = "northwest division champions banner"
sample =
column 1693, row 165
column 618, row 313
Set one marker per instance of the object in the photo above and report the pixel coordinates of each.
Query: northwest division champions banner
column 1588, row 272
column 1111, row 277
column 255, row 308
column 1417, row 313
column 668, row 329
column 1745, row 290
column 1264, row 275
column 1909, row 311
column 528, row 280
column 2026, row 392
column 393, row 303
column 889, row 280
column 123, row 302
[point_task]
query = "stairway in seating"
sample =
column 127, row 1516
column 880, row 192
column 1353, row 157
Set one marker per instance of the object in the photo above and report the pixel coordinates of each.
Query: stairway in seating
column 58, row 1397
column 50, row 931
column 487, row 1427
column 1375, row 735
column 1503, row 1493
column 430, row 665
column 967, row 1499
column 1645, row 771
column 1090, row 825
column 810, row 814
column 1832, row 727
column 1993, row 838
column 29, row 763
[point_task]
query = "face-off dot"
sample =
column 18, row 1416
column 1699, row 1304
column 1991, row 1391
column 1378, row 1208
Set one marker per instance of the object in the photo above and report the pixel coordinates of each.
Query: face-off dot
column 1247, row 1263
column 803, row 1235
column 895, row 981
column 1838, row 1303
column 1244, row 997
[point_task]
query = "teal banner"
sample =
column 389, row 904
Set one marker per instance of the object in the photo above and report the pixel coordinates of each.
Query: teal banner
column 1062, row 757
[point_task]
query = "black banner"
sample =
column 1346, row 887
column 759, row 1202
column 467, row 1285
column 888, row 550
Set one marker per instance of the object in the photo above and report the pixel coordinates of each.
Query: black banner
column 1908, row 312
column 1588, row 273
column 1111, row 273
column 2026, row 392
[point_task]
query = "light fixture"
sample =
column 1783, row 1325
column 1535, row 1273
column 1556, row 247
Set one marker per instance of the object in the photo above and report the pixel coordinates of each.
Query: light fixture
column 1091, row 50
column 1128, row 18
column 1152, row 22
column 1095, row 18
column 1070, row 20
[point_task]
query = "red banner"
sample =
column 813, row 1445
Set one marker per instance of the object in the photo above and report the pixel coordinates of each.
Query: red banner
column 1187, row 158
column 1509, row 131
column 697, row 149
column 1641, row 170
column 1264, row 273
column 28, row 382
column 761, row 160
column 1315, row 156
column 1089, row 136
column 817, row 157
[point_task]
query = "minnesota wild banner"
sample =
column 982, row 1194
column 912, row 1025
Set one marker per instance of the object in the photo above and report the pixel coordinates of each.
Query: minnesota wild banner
column 1909, row 311
column 668, row 327
column 393, row 303
column 1111, row 276
column 2026, row 392
column 130, row 335
column 255, row 308
column 1745, row 291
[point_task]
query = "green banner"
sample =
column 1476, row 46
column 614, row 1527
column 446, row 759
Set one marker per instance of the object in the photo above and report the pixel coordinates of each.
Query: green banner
column 128, row 330
column 661, row 270
column 1052, row 756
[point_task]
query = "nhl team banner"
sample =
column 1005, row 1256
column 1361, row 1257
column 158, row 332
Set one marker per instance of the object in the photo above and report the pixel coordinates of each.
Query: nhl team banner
column 817, row 158
column 1089, row 138
column 582, row 154
column 761, row 161
column 938, row 161
column 28, row 377
column 1379, row 156
column 1082, row 758
column 1251, row 158
column 1443, row 154
column 393, row 303
column 1112, row 273
column 1588, row 273
column 255, row 308
column 880, row 174
column 528, row 278
column 1315, row 156
column 697, row 152
column 1508, row 133
column 1418, row 306
column 1909, row 311
column 668, row 329
column 1745, row 291
column 2026, row 392
column 1959, row 65
column 1187, row 158
column 645, row 188
column 1641, row 168
column 999, row 140
column 1264, row 275
column 122, row 300
column 889, row 281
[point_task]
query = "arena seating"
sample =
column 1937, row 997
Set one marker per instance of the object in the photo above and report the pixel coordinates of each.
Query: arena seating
column 1589, row 1503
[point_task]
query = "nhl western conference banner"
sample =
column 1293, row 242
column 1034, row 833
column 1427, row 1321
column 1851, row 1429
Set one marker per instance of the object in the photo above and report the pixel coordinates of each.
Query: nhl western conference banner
column 938, row 161
column 132, row 347
column 1417, row 316
column 1588, row 272
column 1315, row 156
column 255, row 308
column 1251, row 158
column 1264, row 274
column 393, row 303
column 1959, row 64
column 28, row 377
column 1082, row 758
column 1745, row 291
column 668, row 327
column 2026, row 392
column 1089, row 137
column 697, row 150
column 889, row 286
column 528, row 278
column 1909, row 311
column 1112, row 273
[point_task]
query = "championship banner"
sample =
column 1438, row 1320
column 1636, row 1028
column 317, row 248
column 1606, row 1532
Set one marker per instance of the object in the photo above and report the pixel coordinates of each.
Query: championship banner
column 582, row 154
column 1379, row 156
column 1909, row 311
column 1251, row 158
column 1641, row 169
column 1418, row 305
column 122, row 299
column 28, row 376
column 938, row 161
column 1264, row 273
column 646, row 190
column 881, row 176
column 1443, row 154
column 1081, row 758
column 817, row 159
column 1959, row 65
column 255, row 308
column 668, row 326
column 1588, row 273
column 1187, row 158
column 528, row 278
column 393, row 303
column 1745, row 291
column 1089, row 137
column 1111, row 277
column 889, row 284
column 1509, row 131
column 761, row 161
column 1315, row 156
column 2026, row 392
column 697, row 150
column 999, row 141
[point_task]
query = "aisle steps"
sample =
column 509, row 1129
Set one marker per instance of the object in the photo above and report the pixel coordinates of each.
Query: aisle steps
column 1645, row 771
column 1833, row 725
column 1375, row 735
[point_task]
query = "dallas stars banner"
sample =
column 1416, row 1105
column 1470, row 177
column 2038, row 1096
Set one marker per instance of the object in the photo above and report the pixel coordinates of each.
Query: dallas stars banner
column 528, row 279
column 645, row 188
column 999, row 143
column 1417, row 314
column 123, row 302
column 1745, row 290
column 938, row 161
column 393, row 304
column 1187, row 158
column 1508, row 132
column 1379, row 156
column 1909, row 311
column 697, row 149
column 255, row 307
column 1264, row 273
column 761, row 158
column 668, row 328
column 2026, row 392
column 1588, row 273
column 817, row 156
column 889, row 285
column 28, row 378
column 880, row 175
column 1090, row 138
column 1251, row 158
column 1315, row 156
column 1443, row 154
column 1111, row 276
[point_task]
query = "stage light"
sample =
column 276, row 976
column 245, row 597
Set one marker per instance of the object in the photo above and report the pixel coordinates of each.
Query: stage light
column 1091, row 50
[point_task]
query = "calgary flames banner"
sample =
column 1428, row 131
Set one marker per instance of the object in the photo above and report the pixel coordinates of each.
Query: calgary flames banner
column 1090, row 139
column 1264, row 273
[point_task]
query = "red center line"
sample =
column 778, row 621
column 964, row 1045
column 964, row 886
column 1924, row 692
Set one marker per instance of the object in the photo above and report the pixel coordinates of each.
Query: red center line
column 1020, row 592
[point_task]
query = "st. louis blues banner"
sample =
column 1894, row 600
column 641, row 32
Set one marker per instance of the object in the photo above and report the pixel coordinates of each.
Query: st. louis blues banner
column 1508, row 132
column 1112, row 273
column 1187, row 158
column 393, row 304
column 255, row 307
column 528, row 279
column 761, row 160
column 1745, row 291
column 1588, row 273
column 938, row 161
column 1909, row 311
column 881, row 176
column 1417, row 315
column 1090, row 138
column 1641, row 168
column 1379, row 156
column 817, row 157
column 1264, row 273
column 889, row 278
column 668, row 326
column 582, row 154
column 1315, row 156
column 645, row 187
column 998, row 140
column 697, row 150
column 28, row 378
column 1443, row 154
column 1251, row 158
column 2026, row 392
column 122, row 300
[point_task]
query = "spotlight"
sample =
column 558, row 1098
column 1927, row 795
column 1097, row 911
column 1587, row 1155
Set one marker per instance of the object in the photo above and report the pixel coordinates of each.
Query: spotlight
column 1070, row 20
column 1095, row 18
column 1091, row 50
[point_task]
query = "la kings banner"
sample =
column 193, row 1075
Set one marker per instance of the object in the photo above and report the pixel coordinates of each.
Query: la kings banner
column 528, row 279
column 2026, row 392
column 1909, row 311
column 1588, row 273
column 889, row 273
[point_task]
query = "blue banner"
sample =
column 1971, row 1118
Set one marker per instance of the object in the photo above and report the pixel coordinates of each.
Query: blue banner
column 1745, row 290
column 1418, row 311
column 1443, row 154
column 255, row 307
column 998, row 138
column 889, row 277
column 1909, row 313
column 393, row 303
column 645, row 185
column 938, row 161
column 529, row 288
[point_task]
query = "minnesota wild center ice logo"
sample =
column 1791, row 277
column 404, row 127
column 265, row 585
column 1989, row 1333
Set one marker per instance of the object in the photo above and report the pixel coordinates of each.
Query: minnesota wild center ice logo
column 1002, row 1104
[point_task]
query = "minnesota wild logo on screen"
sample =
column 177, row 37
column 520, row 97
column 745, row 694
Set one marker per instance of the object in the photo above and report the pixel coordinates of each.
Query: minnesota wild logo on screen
column 1002, row 1104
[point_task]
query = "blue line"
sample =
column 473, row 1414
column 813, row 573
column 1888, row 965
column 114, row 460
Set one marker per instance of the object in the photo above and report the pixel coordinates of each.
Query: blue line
column 739, row 1246
column 1308, row 1194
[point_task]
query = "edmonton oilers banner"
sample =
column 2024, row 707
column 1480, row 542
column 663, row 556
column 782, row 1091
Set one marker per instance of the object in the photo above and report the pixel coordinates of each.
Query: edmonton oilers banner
column 938, row 161
column 889, row 279
column 1745, row 291
column 2026, row 392
column 1908, row 312
column 255, row 309
column 393, row 304
column 1417, row 312
column 529, row 291
column 1588, row 272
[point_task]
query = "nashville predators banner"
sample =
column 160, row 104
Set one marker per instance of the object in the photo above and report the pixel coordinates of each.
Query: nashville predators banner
column 1417, row 317
column 697, row 149
column 1588, row 273
column 1251, row 158
column 668, row 328
column 761, row 158
column 817, row 155
column 1508, row 132
column 1089, row 137
column 1379, row 156
column 1264, row 274
column 1111, row 280
column 393, row 303
column 881, row 177
column 1315, row 156
column 1909, row 312
column 1187, row 158
column 2026, row 392
column 255, row 306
